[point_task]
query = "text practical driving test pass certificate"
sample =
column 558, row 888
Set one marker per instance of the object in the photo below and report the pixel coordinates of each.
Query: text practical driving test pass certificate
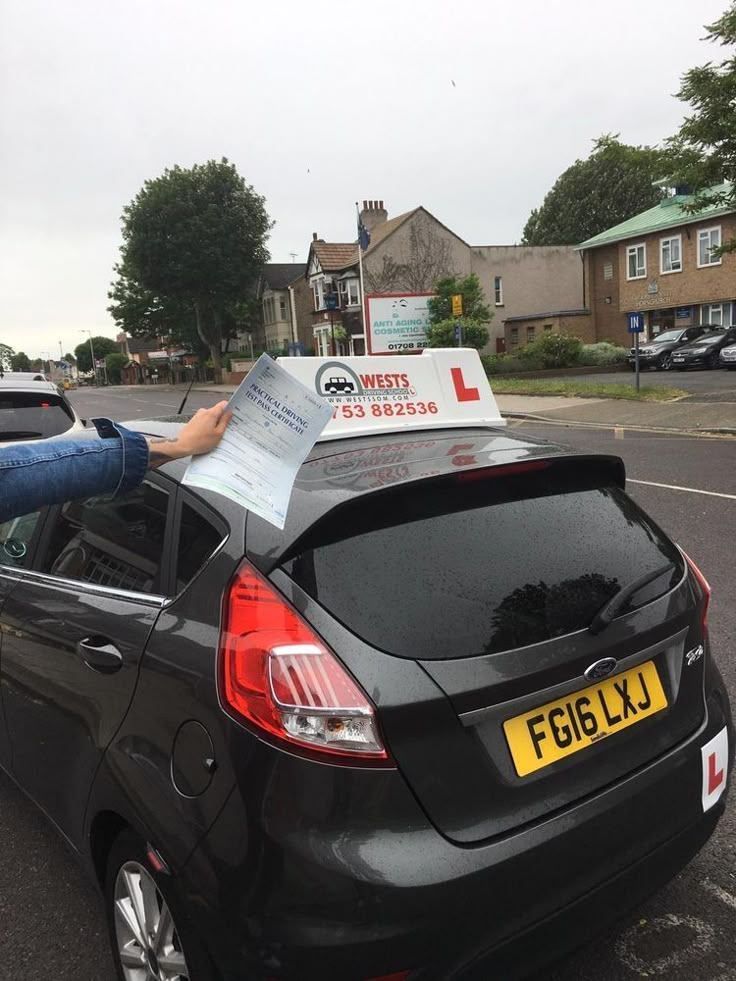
column 276, row 422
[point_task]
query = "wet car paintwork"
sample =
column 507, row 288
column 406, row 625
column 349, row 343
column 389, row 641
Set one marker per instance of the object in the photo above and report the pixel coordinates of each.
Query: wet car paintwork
column 277, row 844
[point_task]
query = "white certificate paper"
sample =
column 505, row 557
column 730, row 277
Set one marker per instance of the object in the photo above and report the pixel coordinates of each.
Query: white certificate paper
column 276, row 422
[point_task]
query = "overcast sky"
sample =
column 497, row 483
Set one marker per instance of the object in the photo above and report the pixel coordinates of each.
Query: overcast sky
column 319, row 103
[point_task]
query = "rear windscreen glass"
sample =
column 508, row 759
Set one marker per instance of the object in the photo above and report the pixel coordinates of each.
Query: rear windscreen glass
column 463, row 567
column 26, row 415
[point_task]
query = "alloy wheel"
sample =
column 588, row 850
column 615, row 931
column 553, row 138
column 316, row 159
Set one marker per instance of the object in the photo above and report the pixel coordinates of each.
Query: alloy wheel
column 666, row 362
column 147, row 939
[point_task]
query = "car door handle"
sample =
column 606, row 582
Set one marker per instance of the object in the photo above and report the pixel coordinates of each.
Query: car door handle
column 100, row 654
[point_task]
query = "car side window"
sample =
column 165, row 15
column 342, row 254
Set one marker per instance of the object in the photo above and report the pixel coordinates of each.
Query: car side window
column 15, row 539
column 198, row 539
column 116, row 543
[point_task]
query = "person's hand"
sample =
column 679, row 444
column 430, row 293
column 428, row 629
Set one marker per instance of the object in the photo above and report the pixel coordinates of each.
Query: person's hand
column 200, row 435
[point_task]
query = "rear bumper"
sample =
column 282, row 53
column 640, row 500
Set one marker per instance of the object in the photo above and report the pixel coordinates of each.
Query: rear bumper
column 282, row 898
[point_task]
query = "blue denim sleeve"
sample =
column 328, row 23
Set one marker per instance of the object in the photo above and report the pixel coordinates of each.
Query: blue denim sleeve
column 53, row 471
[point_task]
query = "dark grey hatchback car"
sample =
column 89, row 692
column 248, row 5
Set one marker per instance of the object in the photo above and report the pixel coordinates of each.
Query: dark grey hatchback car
column 456, row 717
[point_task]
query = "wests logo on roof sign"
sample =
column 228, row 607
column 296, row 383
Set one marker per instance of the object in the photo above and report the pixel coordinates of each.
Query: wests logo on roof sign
column 437, row 389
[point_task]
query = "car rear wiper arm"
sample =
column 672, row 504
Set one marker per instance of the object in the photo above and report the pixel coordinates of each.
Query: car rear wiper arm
column 18, row 434
column 609, row 609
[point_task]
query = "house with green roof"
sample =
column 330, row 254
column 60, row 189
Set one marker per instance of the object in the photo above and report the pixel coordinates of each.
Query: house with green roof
column 661, row 263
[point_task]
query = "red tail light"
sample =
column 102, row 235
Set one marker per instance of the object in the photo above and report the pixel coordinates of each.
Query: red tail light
column 704, row 587
column 279, row 676
column 507, row 470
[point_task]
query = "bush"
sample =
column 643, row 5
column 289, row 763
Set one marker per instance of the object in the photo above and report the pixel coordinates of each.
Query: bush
column 507, row 364
column 442, row 334
column 554, row 350
column 602, row 353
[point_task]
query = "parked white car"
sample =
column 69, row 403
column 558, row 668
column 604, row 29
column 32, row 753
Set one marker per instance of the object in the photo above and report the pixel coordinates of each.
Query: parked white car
column 728, row 357
column 34, row 410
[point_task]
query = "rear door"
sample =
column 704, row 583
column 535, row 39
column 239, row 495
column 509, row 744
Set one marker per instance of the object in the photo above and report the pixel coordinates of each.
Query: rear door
column 18, row 539
column 74, row 630
column 463, row 606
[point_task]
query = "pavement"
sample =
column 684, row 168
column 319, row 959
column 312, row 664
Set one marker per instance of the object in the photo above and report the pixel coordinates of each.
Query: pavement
column 680, row 416
column 684, row 415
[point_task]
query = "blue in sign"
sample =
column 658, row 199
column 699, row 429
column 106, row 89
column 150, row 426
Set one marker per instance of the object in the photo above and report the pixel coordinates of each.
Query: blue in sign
column 636, row 323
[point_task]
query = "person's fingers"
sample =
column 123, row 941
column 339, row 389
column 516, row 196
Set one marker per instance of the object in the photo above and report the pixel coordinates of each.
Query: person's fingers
column 223, row 421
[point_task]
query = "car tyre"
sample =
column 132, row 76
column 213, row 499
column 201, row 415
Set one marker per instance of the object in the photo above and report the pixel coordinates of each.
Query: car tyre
column 714, row 360
column 665, row 362
column 149, row 932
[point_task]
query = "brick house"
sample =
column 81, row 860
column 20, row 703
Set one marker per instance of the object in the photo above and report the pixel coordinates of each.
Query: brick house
column 286, row 306
column 408, row 253
column 660, row 263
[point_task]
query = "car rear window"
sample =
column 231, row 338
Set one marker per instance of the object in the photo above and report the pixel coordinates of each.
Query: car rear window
column 27, row 415
column 476, row 563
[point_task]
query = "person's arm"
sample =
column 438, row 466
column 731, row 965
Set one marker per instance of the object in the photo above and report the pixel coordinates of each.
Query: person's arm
column 33, row 475
column 200, row 435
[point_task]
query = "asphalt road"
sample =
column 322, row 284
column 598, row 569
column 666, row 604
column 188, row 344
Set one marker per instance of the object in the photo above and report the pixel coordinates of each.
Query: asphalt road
column 52, row 925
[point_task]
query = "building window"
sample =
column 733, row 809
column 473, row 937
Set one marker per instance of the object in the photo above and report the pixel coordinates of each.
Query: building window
column 670, row 254
column 349, row 293
column 498, row 290
column 269, row 314
column 608, row 270
column 717, row 314
column 529, row 335
column 318, row 289
column 709, row 239
column 514, row 336
column 282, row 307
column 549, row 326
column 636, row 261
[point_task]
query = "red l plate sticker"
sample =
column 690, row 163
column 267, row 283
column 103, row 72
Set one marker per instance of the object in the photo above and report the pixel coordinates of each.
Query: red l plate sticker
column 714, row 766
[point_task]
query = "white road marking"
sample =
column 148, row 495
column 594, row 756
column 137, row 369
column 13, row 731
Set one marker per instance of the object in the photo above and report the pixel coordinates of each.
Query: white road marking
column 693, row 947
column 720, row 893
column 689, row 490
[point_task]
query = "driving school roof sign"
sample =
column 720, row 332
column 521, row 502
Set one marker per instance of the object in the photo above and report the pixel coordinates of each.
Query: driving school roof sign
column 435, row 390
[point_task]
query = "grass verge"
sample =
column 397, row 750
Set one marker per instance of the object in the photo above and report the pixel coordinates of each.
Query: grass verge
column 583, row 390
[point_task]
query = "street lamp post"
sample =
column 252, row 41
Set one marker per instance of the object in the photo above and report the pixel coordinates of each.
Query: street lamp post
column 92, row 353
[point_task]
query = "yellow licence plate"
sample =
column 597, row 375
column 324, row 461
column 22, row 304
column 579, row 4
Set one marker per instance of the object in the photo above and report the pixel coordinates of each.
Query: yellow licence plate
column 558, row 729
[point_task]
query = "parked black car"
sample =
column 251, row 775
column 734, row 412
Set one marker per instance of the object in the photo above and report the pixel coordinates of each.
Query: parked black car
column 657, row 353
column 705, row 352
column 459, row 714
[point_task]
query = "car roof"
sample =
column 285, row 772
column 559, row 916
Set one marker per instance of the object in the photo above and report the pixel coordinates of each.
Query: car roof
column 27, row 385
column 339, row 470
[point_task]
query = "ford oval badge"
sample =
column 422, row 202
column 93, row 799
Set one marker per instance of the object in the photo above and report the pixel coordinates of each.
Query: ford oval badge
column 600, row 669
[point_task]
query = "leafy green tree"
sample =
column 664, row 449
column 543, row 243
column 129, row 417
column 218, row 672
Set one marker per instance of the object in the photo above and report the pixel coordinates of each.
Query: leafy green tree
column 69, row 358
column 102, row 345
column 703, row 152
column 6, row 356
column 194, row 243
column 613, row 184
column 20, row 362
column 475, row 307
column 114, row 364
column 442, row 334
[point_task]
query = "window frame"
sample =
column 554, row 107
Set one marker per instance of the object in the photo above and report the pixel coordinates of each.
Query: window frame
column 634, row 248
column 318, row 293
column 718, row 259
column 183, row 497
column 498, row 291
column 668, row 241
column 166, row 568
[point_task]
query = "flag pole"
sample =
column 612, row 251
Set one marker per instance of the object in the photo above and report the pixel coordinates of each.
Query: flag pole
column 362, row 290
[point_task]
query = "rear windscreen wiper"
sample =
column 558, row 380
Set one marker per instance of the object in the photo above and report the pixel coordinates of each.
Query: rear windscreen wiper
column 19, row 434
column 609, row 609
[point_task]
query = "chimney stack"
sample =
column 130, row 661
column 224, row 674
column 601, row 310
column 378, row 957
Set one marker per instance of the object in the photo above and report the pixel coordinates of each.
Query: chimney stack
column 373, row 215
